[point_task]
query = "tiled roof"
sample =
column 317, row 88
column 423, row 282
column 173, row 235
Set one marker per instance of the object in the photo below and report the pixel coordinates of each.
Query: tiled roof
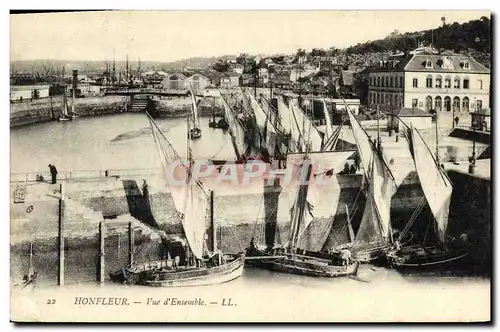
column 445, row 62
column 179, row 75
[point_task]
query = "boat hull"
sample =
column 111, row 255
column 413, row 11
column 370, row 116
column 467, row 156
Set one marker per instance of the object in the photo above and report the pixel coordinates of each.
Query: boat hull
column 155, row 277
column 370, row 255
column 419, row 258
column 301, row 264
column 64, row 118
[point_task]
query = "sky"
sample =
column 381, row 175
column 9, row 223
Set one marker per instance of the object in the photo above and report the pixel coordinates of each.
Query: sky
column 173, row 35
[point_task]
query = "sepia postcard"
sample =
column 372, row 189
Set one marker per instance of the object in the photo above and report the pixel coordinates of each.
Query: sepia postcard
column 250, row 166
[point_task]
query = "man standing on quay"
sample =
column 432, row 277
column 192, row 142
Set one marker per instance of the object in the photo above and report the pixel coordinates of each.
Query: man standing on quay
column 53, row 172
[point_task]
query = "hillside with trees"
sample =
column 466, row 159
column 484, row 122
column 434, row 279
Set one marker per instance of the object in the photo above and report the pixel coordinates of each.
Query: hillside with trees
column 473, row 35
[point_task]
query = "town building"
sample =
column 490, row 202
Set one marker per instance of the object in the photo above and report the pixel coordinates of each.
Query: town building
column 176, row 81
column 154, row 77
column 263, row 76
column 431, row 80
column 198, row 82
column 302, row 71
column 28, row 92
column 346, row 83
column 230, row 80
column 237, row 68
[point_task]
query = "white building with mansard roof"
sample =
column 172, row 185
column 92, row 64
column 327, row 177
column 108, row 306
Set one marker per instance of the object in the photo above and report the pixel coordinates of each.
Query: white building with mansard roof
column 431, row 80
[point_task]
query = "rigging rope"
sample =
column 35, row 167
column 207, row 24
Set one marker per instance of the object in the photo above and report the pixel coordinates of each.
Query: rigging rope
column 413, row 217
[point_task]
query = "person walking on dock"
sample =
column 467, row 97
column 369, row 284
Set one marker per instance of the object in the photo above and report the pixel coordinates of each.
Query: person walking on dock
column 53, row 172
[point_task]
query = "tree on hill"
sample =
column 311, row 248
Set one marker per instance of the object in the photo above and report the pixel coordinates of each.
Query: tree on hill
column 220, row 66
column 453, row 36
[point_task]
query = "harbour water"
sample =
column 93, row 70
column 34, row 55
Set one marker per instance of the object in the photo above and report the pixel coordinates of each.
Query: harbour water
column 124, row 141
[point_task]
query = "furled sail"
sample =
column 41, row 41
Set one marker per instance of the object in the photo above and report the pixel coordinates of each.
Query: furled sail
column 435, row 183
column 235, row 129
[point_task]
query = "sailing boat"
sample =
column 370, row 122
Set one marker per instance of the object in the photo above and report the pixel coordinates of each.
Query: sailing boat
column 290, row 258
column 374, row 236
column 437, row 189
column 198, row 265
column 65, row 114
column 195, row 132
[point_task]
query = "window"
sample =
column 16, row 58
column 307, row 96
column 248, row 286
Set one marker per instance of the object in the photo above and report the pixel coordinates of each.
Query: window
column 466, row 83
column 479, row 84
column 401, row 81
column 392, row 82
column 456, row 83
column 447, row 83
column 427, row 64
column 378, row 81
column 465, row 104
column 456, row 104
column 464, row 65
column 437, row 104
column 428, row 103
column 415, row 82
column 439, row 82
column 414, row 102
column 447, row 103
column 428, row 82
column 479, row 105
column 382, row 98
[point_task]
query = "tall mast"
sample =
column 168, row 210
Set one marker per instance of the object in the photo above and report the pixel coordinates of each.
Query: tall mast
column 126, row 65
column 114, row 69
column 212, row 222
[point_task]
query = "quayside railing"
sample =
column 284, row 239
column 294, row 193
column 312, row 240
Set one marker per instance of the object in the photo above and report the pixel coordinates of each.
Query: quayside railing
column 84, row 174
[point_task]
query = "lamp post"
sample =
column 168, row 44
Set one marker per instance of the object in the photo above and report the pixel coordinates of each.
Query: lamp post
column 472, row 159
